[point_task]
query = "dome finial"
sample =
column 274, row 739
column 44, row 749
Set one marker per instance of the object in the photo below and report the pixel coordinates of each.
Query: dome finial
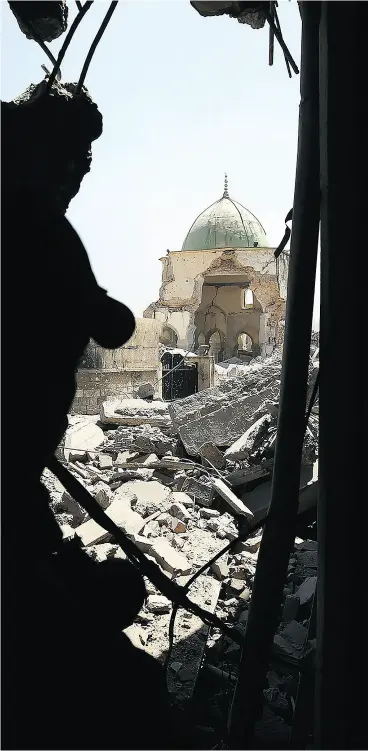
column 226, row 192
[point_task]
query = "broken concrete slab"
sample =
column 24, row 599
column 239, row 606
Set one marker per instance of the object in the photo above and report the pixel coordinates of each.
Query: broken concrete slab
column 183, row 498
column 255, row 380
column 148, row 497
column 158, row 604
column 81, row 437
column 222, row 427
column 231, row 499
column 306, row 591
column 120, row 512
column 243, row 447
column 169, row 558
column 135, row 412
column 143, row 543
column 209, row 513
column 201, row 493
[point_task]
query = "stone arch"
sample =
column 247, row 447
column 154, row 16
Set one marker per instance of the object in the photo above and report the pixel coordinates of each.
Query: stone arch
column 215, row 340
column 168, row 336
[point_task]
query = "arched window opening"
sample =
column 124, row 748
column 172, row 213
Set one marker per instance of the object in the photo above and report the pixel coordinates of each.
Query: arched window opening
column 244, row 344
column 248, row 299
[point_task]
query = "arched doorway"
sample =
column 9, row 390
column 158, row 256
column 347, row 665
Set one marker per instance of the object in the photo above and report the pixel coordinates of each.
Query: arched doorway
column 216, row 347
column 168, row 337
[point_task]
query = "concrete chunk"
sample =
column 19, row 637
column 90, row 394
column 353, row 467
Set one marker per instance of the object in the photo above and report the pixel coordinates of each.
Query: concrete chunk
column 169, row 558
column 178, row 526
column 220, row 569
column 306, row 590
column 201, row 493
column 180, row 512
column 135, row 412
column 158, row 604
column 105, row 461
column 121, row 513
column 183, row 498
column 223, row 426
column 209, row 452
column 81, row 437
column 244, row 446
column 236, row 504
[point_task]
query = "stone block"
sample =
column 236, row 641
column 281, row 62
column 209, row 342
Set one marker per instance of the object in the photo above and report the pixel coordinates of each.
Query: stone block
column 180, row 512
column 201, row 493
column 169, row 558
column 105, row 461
column 158, row 604
column 103, row 495
column 209, row 513
column 82, row 436
column 220, row 569
column 183, row 498
column 135, row 412
column 209, row 452
column 178, row 526
column 231, row 499
column 306, row 590
column 221, row 427
column 244, row 446
column 121, row 513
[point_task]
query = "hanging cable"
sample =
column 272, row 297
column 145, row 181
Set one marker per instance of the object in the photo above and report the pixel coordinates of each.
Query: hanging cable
column 67, row 41
column 94, row 44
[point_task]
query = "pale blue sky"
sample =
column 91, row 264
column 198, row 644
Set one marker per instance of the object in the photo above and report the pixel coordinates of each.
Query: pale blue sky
column 183, row 99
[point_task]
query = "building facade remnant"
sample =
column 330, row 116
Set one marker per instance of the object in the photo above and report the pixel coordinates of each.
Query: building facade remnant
column 224, row 289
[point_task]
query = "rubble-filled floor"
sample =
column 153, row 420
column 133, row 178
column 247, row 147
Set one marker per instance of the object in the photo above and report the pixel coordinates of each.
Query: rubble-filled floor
column 181, row 510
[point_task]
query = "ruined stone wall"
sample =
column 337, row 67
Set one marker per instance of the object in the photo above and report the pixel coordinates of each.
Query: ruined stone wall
column 106, row 374
column 184, row 295
column 97, row 386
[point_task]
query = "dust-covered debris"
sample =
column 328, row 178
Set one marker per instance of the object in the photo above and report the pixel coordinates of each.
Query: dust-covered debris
column 181, row 512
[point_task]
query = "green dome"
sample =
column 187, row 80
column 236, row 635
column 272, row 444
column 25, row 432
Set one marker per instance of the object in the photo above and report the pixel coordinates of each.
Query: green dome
column 225, row 224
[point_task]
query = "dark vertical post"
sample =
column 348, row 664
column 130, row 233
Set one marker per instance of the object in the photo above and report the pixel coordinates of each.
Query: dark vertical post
column 342, row 607
column 279, row 531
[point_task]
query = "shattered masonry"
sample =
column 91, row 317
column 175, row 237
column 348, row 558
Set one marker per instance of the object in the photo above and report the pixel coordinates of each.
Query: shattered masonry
column 178, row 478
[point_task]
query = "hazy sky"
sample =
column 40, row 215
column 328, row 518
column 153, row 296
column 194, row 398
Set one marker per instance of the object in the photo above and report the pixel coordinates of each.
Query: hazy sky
column 183, row 99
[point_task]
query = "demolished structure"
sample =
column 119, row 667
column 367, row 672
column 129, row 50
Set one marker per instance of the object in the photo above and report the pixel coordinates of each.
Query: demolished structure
column 224, row 288
column 179, row 479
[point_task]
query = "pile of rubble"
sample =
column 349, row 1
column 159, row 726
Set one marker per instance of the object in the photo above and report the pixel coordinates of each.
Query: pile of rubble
column 180, row 479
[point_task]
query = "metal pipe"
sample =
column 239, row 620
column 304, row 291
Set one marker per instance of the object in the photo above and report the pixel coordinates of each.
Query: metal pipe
column 279, row 531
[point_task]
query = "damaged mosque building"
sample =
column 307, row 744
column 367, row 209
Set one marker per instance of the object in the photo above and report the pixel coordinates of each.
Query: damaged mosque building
column 224, row 289
column 222, row 297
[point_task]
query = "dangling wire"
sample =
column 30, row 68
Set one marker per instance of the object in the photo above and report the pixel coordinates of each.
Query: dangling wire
column 94, row 44
column 67, row 41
